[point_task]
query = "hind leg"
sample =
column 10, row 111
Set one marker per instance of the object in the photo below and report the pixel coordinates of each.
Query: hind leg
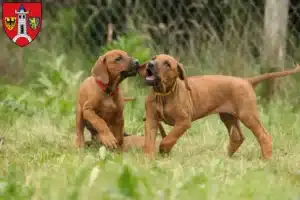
column 236, row 137
column 251, row 120
column 79, row 142
column 92, row 131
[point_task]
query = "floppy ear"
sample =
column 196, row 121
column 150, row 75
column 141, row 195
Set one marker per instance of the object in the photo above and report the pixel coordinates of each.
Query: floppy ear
column 142, row 69
column 99, row 71
column 182, row 75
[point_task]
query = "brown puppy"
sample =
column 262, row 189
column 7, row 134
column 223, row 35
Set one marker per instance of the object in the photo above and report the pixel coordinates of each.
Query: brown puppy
column 178, row 101
column 99, row 102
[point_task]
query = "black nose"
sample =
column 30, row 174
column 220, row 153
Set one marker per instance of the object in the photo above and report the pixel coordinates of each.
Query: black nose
column 136, row 62
column 151, row 65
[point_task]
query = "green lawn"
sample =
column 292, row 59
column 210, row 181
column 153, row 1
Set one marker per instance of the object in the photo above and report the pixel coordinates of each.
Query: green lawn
column 38, row 161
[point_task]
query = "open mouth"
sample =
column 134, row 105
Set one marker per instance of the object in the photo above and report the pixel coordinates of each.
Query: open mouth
column 150, row 76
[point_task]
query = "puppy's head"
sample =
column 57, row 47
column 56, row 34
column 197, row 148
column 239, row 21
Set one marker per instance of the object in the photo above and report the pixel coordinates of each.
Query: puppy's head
column 114, row 64
column 162, row 72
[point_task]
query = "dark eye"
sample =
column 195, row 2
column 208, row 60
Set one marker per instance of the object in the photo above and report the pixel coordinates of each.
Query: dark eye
column 118, row 59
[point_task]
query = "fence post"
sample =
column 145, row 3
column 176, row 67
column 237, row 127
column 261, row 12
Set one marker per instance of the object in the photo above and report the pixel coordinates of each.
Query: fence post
column 275, row 29
column 110, row 30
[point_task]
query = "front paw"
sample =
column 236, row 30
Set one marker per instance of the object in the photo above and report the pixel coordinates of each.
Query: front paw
column 149, row 152
column 166, row 145
column 79, row 142
column 109, row 140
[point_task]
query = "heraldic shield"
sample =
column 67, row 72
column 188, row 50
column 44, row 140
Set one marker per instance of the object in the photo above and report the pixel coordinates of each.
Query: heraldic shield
column 22, row 21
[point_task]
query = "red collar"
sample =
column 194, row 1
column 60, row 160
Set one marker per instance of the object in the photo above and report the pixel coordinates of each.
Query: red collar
column 106, row 89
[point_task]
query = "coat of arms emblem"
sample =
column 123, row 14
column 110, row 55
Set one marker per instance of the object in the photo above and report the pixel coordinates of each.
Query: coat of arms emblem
column 22, row 21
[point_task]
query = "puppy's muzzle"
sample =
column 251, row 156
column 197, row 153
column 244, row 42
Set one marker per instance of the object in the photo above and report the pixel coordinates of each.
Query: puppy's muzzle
column 132, row 69
column 151, row 74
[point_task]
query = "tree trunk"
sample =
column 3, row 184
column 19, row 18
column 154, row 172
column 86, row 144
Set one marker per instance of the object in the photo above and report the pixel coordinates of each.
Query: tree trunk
column 275, row 25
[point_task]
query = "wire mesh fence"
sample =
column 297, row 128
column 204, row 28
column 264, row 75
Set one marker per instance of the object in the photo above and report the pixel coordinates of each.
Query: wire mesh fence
column 187, row 28
column 171, row 24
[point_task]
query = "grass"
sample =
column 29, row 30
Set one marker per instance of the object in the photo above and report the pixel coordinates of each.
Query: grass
column 38, row 161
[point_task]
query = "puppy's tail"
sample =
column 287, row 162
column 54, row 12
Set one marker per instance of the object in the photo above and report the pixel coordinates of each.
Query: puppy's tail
column 257, row 79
